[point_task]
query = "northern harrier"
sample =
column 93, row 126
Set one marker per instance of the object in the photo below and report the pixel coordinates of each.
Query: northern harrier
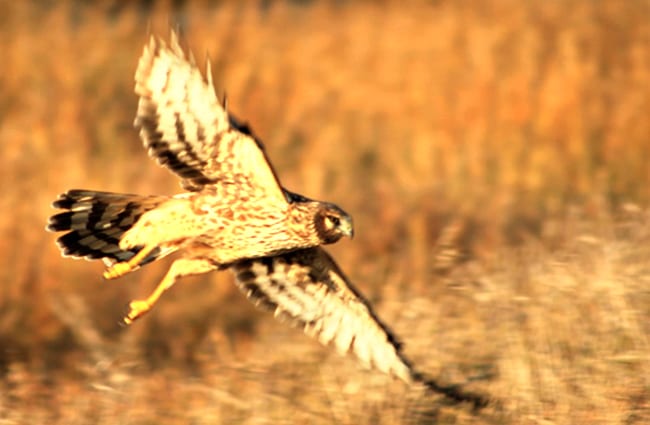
column 235, row 215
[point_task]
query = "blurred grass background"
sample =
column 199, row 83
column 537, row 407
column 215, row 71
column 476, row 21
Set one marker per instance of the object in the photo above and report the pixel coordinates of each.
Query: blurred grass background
column 494, row 154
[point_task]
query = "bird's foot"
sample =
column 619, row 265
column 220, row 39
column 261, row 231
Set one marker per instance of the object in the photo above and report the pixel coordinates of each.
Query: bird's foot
column 118, row 270
column 137, row 308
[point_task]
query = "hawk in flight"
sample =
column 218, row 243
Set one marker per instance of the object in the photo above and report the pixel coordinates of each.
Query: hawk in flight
column 234, row 215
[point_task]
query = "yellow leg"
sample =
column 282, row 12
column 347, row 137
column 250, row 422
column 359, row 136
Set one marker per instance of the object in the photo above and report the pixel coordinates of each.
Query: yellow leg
column 137, row 308
column 180, row 267
column 120, row 269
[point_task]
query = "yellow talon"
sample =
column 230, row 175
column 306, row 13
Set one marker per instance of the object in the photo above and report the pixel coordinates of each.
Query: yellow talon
column 117, row 270
column 137, row 308
column 120, row 269
column 181, row 267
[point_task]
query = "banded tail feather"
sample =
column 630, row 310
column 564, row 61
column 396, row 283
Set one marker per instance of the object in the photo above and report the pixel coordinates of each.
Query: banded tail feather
column 95, row 221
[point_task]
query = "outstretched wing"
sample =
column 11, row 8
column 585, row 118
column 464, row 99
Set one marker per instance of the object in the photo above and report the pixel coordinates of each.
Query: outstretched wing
column 308, row 288
column 186, row 129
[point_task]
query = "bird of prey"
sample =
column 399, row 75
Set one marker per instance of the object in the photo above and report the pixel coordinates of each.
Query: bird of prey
column 234, row 215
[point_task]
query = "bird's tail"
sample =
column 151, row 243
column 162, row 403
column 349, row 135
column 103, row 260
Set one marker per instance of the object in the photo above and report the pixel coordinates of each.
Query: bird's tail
column 95, row 222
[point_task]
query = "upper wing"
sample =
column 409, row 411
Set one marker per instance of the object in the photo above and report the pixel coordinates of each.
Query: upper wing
column 183, row 126
column 309, row 289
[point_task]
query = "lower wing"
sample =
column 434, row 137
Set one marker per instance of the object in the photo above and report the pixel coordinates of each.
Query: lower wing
column 308, row 289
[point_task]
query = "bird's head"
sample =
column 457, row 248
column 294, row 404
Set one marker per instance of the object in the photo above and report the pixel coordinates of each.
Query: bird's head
column 332, row 223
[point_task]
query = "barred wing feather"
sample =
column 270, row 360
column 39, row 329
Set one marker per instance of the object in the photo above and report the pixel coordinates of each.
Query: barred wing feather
column 186, row 129
column 307, row 288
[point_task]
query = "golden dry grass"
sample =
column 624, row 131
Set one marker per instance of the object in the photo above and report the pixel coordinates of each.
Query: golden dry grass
column 495, row 156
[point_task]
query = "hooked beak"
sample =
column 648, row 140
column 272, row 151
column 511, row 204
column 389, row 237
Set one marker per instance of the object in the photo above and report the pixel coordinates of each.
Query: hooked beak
column 346, row 227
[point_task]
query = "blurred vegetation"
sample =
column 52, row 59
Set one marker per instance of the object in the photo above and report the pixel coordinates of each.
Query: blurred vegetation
column 494, row 154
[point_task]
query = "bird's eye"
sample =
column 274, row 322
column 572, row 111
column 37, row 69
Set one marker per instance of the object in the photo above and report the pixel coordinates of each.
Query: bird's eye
column 335, row 220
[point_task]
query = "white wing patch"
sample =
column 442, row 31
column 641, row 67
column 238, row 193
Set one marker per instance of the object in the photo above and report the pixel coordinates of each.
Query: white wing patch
column 307, row 288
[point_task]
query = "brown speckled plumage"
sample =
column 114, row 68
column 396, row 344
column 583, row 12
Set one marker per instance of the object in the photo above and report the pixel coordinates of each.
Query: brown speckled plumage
column 235, row 215
column 236, row 207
